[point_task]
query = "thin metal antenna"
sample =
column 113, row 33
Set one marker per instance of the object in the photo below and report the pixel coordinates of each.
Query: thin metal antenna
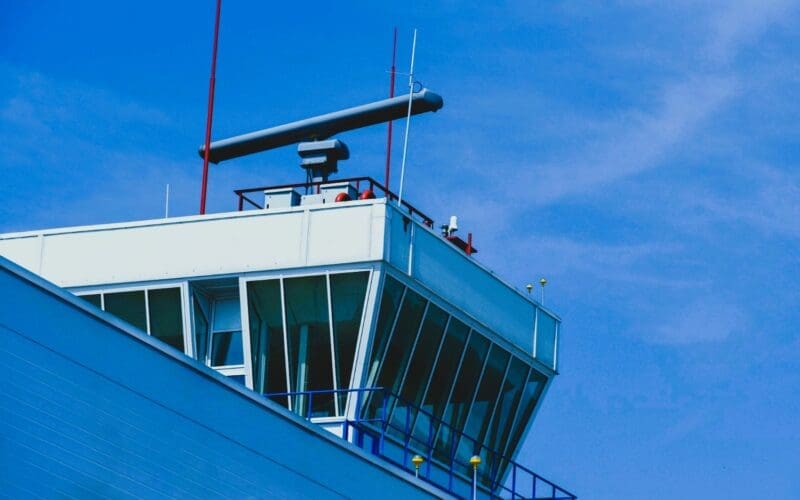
column 408, row 119
column 387, row 176
column 166, row 205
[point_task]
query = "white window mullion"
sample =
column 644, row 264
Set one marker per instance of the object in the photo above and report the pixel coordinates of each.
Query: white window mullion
column 286, row 345
column 333, row 347
column 147, row 309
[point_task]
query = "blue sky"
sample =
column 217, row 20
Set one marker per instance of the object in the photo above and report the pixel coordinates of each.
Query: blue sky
column 641, row 156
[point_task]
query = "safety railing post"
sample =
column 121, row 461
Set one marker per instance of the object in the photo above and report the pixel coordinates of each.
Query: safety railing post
column 406, row 436
column 430, row 448
column 514, row 482
column 308, row 410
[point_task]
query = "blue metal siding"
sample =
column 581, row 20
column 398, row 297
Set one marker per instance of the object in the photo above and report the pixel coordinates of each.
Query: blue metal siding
column 90, row 410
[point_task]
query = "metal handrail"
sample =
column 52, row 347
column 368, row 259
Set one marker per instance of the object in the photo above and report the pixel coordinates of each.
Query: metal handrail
column 315, row 187
column 501, row 462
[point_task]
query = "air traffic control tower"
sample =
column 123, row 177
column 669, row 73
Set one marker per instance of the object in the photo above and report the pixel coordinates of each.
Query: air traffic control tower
column 338, row 303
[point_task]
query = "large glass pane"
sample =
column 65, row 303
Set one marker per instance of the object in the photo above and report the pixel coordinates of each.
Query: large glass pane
column 402, row 341
column 530, row 396
column 93, row 299
column 507, row 405
column 419, row 369
column 390, row 304
column 166, row 319
column 200, row 329
column 348, row 292
column 266, row 338
column 128, row 306
column 309, row 338
column 483, row 405
column 455, row 413
column 545, row 338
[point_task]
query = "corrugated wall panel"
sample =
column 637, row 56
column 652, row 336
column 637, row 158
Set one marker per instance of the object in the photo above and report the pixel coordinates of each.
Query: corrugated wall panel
column 90, row 411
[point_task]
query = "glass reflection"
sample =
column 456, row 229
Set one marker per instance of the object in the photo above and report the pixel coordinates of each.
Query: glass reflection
column 166, row 322
column 530, row 396
column 348, row 292
column 545, row 338
column 309, row 344
column 466, row 383
column 266, row 338
column 128, row 306
column 390, row 304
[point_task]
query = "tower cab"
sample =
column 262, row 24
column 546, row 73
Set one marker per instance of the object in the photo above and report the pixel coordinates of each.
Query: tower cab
column 337, row 302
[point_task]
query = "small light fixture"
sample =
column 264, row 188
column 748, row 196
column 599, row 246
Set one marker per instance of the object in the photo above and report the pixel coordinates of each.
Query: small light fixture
column 417, row 461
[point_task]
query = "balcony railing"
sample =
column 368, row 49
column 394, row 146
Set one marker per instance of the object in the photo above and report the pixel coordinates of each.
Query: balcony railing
column 397, row 430
column 376, row 187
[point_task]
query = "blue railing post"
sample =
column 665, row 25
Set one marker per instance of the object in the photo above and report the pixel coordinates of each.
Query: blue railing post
column 430, row 448
column 310, row 399
column 406, row 437
column 514, row 482
column 384, row 421
column 452, row 459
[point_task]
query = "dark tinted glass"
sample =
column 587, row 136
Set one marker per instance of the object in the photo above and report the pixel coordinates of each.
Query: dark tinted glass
column 390, row 304
column 309, row 338
column 266, row 338
column 483, row 406
column 530, row 396
column 128, row 306
column 455, row 413
column 442, row 378
column 399, row 349
column 93, row 299
column 166, row 320
column 507, row 404
column 347, row 304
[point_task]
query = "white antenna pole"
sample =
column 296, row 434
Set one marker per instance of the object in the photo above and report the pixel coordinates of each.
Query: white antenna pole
column 166, row 205
column 408, row 119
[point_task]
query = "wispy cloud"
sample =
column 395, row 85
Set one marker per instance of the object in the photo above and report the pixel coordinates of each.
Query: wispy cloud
column 706, row 319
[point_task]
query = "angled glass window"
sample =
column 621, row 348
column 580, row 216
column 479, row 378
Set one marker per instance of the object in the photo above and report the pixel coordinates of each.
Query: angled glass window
column 348, row 292
column 266, row 338
column 530, row 396
column 166, row 320
column 469, row 374
column 507, row 404
column 421, row 364
column 93, row 299
column 545, row 338
column 483, row 406
column 442, row 377
column 128, row 306
column 309, row 337
column 390, row 305
column 402, row 341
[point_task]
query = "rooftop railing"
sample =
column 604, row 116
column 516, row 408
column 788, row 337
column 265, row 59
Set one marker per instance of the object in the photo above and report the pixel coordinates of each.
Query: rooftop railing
column 397, row 430
column 309, row 187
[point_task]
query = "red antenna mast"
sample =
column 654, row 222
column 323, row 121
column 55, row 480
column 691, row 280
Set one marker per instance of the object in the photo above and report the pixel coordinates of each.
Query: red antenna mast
column 210, row 114
column 391, row 94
